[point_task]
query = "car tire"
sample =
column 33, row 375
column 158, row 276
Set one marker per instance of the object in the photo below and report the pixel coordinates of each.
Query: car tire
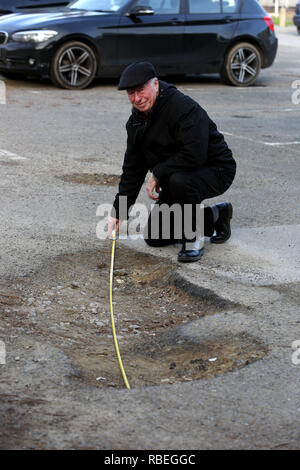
column 242, row 65
column 73, row 66
column 298, row 29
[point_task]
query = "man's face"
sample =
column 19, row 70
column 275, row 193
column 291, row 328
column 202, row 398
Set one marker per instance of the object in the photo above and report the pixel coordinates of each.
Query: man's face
column 143, row 97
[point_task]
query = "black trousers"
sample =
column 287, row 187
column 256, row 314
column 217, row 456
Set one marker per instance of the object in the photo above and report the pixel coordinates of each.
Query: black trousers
column 187, row 188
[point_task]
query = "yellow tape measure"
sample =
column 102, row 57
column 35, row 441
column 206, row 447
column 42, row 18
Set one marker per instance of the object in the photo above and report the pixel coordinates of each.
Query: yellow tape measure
column 112, row 312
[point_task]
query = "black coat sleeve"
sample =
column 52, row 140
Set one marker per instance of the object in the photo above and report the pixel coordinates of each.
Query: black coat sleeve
column 133, row 175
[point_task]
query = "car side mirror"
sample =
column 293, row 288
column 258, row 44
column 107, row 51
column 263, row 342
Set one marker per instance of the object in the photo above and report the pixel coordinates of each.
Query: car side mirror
column 141, row 10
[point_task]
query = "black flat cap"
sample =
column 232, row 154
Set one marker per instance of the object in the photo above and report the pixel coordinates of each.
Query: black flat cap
column 136, row 75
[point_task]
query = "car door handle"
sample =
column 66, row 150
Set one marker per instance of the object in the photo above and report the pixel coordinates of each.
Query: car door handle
column 228, row 19
column 176, row 21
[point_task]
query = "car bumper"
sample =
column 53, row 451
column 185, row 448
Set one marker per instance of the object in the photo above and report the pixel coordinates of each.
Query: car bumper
column 24, row 58
column 296, row 20
column 269, row 48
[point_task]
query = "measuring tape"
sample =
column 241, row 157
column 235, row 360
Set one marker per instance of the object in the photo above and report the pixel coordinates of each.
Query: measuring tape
column 112, row 311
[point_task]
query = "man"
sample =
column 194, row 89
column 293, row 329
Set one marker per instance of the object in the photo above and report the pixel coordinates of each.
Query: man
column 171, row 136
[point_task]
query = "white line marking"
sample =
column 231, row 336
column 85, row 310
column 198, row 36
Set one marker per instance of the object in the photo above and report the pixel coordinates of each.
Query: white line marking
column 239, row 136
column 10, row 155
column 295, row 142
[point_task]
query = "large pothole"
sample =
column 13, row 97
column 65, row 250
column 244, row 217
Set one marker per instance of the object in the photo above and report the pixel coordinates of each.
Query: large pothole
column 66, row 306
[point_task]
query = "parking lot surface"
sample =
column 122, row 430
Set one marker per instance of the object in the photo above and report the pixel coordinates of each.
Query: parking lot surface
column 208, row 348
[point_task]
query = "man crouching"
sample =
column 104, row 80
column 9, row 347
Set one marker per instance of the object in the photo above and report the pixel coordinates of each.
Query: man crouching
column 171, row 135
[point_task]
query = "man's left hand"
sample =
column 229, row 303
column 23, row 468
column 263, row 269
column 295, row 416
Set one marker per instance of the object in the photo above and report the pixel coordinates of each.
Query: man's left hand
column 151, row 187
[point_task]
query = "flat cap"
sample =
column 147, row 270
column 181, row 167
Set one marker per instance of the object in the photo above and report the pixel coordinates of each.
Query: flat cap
column 136, row 75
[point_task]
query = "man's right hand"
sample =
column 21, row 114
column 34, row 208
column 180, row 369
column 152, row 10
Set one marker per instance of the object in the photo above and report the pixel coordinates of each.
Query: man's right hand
column 113, row 225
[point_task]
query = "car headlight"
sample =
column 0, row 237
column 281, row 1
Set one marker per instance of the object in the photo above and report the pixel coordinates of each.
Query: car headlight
column 34, row 36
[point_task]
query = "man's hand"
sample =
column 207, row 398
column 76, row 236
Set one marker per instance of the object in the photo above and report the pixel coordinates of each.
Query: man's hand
column 113, row 225
column 152, row 186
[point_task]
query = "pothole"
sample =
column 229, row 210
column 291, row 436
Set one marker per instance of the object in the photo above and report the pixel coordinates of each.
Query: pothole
column 66, row 306
column 242, row 116
column 154, row 362
column 91, row 178
column 9, row 163
column 183, row 360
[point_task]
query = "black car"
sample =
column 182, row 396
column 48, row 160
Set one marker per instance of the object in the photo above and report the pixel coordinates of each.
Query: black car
column 98, row 38
column 297, row 16
column 14, row 6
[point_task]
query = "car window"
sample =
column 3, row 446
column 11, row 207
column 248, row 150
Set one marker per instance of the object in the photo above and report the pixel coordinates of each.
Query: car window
column 253, row 7
column 98, row 5
column 229, row 6
column 205, row 6
column 162, row 6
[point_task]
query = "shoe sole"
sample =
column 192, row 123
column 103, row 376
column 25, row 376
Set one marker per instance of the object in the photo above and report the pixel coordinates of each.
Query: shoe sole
column 191, row 259
column 230, row 211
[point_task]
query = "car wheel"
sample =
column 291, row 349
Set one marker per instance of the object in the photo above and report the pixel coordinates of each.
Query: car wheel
column 242, row 65
column 73, row 66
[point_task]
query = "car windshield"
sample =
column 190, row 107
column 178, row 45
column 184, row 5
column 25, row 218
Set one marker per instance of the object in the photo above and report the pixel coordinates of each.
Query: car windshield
column 98, row 5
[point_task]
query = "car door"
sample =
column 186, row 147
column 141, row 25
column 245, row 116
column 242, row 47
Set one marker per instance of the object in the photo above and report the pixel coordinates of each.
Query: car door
column 209, row 27
column 156, row 37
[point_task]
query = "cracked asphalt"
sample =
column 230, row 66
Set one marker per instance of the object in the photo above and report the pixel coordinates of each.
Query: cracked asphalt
column 252, row 281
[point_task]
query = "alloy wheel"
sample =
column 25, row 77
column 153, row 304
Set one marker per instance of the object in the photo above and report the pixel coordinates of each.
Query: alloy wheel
column 244, row 65
column 74, row 66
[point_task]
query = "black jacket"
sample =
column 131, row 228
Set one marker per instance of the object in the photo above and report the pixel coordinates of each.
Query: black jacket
column 178, row 135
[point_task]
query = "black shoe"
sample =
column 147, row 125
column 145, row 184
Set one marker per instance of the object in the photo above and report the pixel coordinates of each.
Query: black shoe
column 222, row 225
column 189, row 256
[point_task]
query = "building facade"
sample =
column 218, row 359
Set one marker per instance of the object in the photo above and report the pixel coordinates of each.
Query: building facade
column 269, row 4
